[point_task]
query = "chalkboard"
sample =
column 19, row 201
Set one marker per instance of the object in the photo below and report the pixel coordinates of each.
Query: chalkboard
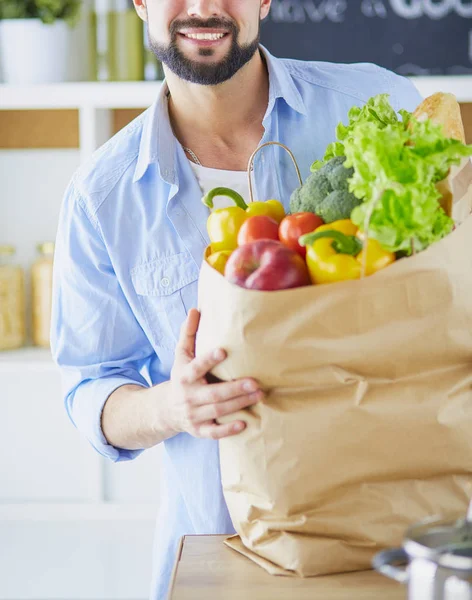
column 410, row 37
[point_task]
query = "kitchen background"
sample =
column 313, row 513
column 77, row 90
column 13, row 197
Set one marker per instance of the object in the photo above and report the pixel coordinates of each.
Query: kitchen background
column 73, row 526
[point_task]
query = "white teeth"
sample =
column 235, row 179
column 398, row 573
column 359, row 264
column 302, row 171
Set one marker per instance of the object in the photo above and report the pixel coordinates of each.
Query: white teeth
column 205, row 36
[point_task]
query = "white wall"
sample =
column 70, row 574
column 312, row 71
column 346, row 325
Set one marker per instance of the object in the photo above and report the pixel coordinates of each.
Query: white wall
column 81, row 559
column 72, row 525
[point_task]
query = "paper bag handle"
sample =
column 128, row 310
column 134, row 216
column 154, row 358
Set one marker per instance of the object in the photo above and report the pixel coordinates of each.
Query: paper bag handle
column 380, row 193
column 251, row 162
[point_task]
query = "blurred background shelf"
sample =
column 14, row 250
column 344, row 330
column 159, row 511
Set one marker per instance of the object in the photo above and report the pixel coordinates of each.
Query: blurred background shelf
column 30, row 357
column 91, row 511
column 459, row 85
column 113, row 95
column 139, row 94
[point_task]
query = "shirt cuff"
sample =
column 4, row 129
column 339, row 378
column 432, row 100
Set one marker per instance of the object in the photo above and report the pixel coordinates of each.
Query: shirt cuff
column 86, row 413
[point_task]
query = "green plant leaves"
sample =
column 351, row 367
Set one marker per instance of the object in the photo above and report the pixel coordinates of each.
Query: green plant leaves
column 46, row 10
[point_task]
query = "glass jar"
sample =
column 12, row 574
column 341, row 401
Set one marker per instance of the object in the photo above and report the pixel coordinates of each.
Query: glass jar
column 116, row 41
column 99, row 43
column 12, row 301
column 41, row 291
column 127, row 41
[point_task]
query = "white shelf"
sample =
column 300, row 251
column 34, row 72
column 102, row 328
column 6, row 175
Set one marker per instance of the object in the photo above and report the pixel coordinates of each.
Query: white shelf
column 459, row 85
column 33, row 358
column 78, row 95
column 103, row 511
column 109, row 95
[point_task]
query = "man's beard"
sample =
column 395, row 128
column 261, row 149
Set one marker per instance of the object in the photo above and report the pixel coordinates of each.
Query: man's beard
column 199, row 72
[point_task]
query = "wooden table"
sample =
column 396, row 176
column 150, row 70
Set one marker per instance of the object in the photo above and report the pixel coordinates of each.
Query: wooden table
column 206, row 569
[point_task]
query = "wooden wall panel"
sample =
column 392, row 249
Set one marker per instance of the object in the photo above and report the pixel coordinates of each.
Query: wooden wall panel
column 123, row 116
column 60, row 128
column 466, row 110
column 39, row 129
column 21, row 129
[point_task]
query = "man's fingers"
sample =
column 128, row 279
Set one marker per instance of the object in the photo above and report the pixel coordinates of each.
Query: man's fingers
column 188, row 332
column 216, row 432
column 222, row 392
column 221, row 409
column 200, row 366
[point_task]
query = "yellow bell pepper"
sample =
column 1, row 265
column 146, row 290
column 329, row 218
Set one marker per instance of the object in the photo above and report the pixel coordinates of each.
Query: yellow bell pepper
column 270, row 208
column 218, row 260
column 224, row 223
column 336, row 252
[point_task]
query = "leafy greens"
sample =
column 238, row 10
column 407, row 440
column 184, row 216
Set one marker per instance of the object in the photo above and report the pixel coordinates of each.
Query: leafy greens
column 397, row 163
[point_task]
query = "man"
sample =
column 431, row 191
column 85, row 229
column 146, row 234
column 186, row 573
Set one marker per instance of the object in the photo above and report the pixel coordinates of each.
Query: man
column 133, row 229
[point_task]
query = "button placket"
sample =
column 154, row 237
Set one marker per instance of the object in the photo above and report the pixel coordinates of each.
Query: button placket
column 188, row 214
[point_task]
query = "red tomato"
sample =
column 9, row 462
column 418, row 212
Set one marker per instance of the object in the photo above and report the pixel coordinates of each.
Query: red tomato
column 296, row 225
column 258, row 227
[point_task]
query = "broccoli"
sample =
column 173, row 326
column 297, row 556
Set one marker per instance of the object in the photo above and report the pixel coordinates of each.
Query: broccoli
column 326, row 192
column 339, row 178
column 338, row 205
column 312, row 193
column 332, row 164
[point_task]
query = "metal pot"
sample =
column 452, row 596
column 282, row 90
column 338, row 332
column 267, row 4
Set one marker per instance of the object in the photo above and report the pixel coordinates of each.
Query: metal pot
column 435, row 560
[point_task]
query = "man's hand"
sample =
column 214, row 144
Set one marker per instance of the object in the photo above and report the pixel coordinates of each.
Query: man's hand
column 193, row 403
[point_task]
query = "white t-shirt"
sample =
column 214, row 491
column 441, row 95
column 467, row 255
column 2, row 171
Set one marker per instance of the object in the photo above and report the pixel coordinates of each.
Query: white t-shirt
column 212, row 178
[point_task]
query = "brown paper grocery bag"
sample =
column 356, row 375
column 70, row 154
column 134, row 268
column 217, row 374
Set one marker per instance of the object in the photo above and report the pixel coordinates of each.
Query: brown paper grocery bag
column 367, row 423
column 459, row 186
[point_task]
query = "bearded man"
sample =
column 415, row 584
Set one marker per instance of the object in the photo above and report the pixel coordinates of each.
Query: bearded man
column 132, row 233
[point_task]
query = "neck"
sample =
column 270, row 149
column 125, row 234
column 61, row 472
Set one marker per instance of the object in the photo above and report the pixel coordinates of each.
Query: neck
column 223, row 119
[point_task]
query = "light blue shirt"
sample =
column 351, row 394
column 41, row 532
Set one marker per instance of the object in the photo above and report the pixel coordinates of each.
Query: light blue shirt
column 131, row 236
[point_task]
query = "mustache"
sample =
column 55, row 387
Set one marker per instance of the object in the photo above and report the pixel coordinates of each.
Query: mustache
column 212, row 23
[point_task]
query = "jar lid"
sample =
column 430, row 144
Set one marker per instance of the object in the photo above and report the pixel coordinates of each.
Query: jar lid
column 46, row 248
column 7, row 250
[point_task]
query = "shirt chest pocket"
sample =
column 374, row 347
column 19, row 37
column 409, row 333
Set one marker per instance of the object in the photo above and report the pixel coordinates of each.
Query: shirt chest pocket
column 166, row 289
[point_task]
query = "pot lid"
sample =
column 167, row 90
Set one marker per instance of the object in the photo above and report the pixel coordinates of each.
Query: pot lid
column 447, row 542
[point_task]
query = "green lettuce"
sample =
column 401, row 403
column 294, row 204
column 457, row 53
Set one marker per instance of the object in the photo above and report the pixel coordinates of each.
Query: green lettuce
column 376, row 110
column 397, row 163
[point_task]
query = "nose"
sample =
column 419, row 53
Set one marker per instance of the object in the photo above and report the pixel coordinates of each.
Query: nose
column 204, row 9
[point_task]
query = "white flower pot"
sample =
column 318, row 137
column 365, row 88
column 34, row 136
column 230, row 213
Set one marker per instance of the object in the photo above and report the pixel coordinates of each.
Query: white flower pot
column 33, row 52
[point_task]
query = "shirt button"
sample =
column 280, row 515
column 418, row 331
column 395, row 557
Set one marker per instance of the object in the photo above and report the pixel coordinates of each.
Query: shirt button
column 165, row 281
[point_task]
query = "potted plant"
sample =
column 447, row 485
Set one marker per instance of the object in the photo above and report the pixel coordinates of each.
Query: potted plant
column 35, row 39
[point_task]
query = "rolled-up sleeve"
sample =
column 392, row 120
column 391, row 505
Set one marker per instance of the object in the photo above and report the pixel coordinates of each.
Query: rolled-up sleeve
column 95, row 338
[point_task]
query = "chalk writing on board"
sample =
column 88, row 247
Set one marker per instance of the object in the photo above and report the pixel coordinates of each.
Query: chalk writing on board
column 401, row 35
column 374, row 8
column 302, row 11
column 439, row 9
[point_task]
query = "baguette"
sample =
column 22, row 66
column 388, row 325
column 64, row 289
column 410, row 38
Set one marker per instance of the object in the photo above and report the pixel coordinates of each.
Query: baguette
column 443, row 109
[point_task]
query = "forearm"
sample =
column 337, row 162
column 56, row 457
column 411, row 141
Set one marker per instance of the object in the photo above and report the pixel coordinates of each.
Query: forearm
column 134, row 417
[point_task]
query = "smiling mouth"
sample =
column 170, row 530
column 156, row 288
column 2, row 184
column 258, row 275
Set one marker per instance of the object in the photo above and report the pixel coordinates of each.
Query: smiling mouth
column 204, row 36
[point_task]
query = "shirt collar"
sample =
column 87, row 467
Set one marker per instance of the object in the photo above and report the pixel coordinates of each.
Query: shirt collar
column 281, row 84
column 158, row 142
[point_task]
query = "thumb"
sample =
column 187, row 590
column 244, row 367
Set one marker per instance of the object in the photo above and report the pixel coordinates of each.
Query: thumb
column 188, row 334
